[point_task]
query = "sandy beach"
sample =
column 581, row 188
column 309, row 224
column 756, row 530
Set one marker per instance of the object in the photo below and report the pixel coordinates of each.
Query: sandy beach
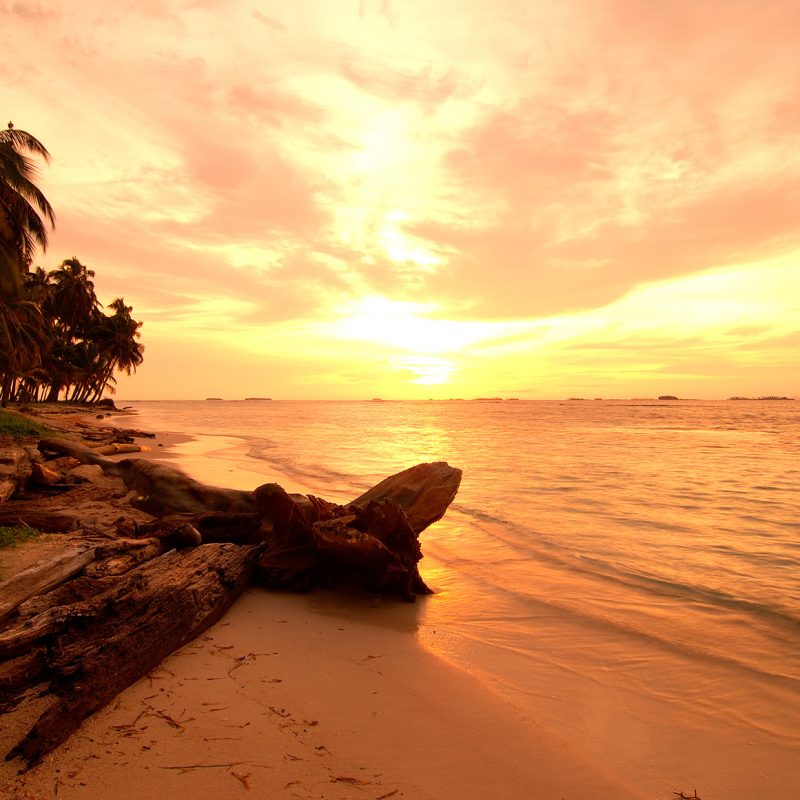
column 306, row 697
column 309, row 696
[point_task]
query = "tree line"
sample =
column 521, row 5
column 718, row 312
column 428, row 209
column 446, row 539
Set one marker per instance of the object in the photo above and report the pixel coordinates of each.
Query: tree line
column 56, row 342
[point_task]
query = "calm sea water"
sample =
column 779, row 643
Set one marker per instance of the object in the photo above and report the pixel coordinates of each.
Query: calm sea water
column 627, row 572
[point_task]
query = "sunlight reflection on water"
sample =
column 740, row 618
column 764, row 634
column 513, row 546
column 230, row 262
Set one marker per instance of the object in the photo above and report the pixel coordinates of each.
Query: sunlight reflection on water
column 633, row 551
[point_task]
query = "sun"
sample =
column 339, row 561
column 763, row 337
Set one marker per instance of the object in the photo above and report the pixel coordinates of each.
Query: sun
column 408, row 327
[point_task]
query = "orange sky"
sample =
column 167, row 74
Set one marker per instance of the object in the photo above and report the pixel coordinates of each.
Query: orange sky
column 342, row 199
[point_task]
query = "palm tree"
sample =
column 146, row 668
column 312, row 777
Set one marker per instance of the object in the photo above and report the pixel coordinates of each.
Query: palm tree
column 22, row 336
column 24, row 211
column 116, row 337
column 72, row 301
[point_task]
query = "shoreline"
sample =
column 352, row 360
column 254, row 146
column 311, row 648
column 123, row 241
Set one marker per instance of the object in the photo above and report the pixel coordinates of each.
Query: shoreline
column 300, row 696
column 324, row 695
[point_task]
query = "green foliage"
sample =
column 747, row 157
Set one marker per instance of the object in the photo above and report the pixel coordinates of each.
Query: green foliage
column 10, row 536
column 55, row 339
column 19, row 426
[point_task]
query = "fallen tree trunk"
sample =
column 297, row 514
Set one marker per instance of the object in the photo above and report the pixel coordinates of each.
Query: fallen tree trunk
column 41, row 578
column 101, row 646
column 45, row 521
column 90, row 637
column 424, row 492
column 161, row 489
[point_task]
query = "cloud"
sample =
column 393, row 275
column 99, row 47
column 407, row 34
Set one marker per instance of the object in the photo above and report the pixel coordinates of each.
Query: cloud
column 272, row 106
column 418, row 84
column 269, row 22
column 525, row 163
column 35, row 12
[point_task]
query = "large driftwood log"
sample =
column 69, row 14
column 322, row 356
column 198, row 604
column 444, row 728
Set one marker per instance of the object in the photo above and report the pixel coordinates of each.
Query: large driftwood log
column 309, row 540
column 96, row 648
column 41, row 578
column 374, row 539
column 160, row 489
column 423, row 492
column 93, row 635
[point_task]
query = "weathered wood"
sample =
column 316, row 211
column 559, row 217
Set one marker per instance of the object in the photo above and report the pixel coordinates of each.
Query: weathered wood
column 41, row 578
column 424, row 492
column 124, row 556
column 105, row 644
column 18, row 675
column 115, row 448
column 376, row 545
column 74, row 449
column 161, row 489
column 7, row 488
column 15, row 469
column 316, row 541
column 237, row 528
column 90, row 637
column 45, row 521
column 76, row 590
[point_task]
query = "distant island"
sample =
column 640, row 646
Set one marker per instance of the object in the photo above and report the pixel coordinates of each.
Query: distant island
column 667, row 397
column 258, row 398
column 766, row 397
column 213, row 398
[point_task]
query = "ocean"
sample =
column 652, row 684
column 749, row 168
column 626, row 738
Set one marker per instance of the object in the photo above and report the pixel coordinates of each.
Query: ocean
column 626, row 573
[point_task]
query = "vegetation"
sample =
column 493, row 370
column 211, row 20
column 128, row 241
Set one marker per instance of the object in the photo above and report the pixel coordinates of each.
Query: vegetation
column 18, row 426
column 9, row 536
column 55, row 341
column 24, row 210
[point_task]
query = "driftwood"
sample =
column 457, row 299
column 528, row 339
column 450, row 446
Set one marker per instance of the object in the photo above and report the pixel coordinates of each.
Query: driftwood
column 7, row 488
column 314, row 541
column 45, row 521
column 87, row 628
column 41, row 578
column 160, row 489
column 15, row 468
column 92, row 650
column 423, row 492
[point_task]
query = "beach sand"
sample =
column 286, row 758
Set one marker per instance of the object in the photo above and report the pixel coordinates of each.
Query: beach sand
column 313, row 696
column 308, row 696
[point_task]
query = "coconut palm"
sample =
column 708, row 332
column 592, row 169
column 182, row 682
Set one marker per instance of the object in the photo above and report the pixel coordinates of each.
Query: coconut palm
column 72, row 301
column 25, row 212
column 116, row 337
column 21, row 343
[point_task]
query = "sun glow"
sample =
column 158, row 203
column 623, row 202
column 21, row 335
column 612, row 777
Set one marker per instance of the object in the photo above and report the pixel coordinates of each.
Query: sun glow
column 430, row 371
column 403, row 248
column 410, row 328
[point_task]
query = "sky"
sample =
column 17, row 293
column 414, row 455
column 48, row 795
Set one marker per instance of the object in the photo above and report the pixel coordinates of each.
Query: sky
column 347, row 199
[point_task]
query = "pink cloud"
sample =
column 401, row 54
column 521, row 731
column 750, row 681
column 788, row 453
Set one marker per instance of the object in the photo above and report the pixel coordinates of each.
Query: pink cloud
column 271, row 23
column 420, row 84
column 272, row 106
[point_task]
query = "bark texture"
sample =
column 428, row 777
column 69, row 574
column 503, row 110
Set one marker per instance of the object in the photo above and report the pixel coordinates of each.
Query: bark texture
column 91, row 650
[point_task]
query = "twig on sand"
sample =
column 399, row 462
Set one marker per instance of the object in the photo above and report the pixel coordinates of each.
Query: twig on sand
column 242, row 778
column 348, row 779
column 187, row 767
column 687, row 796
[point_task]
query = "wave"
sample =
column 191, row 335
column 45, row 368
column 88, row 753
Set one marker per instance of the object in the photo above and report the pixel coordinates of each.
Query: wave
column 587, row 613
column 532, row 543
